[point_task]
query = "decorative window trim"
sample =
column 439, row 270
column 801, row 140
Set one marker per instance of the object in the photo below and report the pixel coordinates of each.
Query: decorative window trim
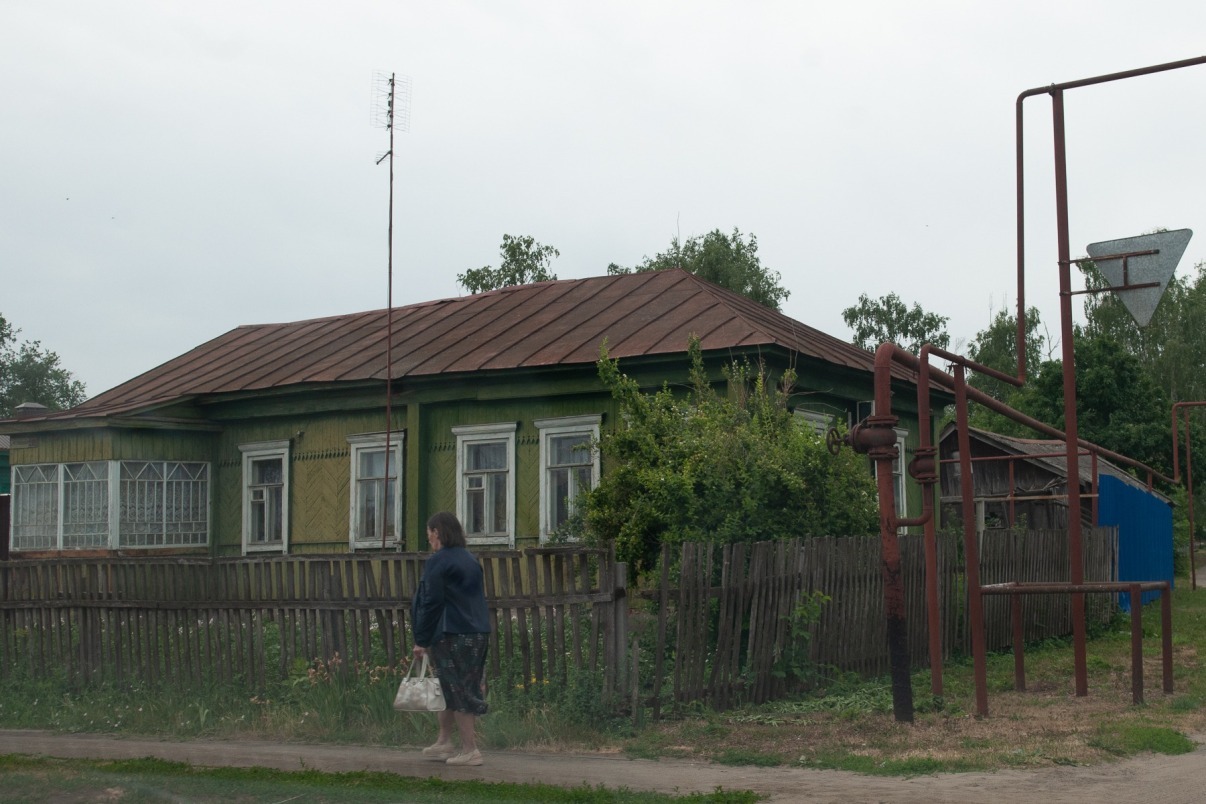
column 475, row 434
column 262, row 450
column 362, row 442
column 564, row 425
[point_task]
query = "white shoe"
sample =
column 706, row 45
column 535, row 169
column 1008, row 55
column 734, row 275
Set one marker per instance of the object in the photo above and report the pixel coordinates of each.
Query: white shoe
column 474, row 757
column 439, row 752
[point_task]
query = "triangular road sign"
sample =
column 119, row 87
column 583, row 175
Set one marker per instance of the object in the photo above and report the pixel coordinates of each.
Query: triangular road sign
column 1138, row 261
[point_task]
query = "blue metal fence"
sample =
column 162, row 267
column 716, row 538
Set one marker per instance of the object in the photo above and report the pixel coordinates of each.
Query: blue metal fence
column 1144, row 521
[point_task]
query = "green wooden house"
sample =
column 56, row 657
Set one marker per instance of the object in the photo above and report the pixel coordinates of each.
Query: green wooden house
column 273, row 438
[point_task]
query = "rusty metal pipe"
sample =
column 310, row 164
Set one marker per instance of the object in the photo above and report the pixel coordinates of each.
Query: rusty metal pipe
column 971, row 552
column 1019, row 157
column 894, row 596
column 1182, row 409
column 930, row 542
column 910, row 360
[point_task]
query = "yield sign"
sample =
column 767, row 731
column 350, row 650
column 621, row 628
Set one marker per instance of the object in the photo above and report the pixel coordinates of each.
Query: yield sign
column 1148, row 260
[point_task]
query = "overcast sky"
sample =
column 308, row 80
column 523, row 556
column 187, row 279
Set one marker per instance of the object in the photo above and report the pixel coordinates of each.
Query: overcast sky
column 171, row 170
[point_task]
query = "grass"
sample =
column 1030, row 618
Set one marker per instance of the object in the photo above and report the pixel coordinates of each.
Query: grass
column 151, row 780
column 849, row 727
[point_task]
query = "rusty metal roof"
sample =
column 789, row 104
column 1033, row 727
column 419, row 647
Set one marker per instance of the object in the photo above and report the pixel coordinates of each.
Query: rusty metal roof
column 525, row 326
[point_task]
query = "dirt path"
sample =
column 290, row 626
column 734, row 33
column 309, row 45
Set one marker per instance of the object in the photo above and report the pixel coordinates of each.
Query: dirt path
column 1153, row 779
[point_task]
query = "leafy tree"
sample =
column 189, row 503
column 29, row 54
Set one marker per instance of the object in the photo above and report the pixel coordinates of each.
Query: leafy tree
column 997, row 348
column 1172, row 346
column 890, row 319
column 29, row 373
column 717, row 466
column 730, row 261
column 522, row 261
column 1118, row 406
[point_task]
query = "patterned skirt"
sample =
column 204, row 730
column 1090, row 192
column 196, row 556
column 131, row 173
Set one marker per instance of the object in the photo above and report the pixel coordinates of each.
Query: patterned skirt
column 460, row 664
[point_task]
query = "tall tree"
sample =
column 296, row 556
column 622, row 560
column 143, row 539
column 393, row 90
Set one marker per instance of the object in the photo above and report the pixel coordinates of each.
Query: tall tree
column 730, row 261
column 522, row 261
column 29, row 373
column 1118, row 405
column 997, row 348
column 1172, row 346
column 890, row 319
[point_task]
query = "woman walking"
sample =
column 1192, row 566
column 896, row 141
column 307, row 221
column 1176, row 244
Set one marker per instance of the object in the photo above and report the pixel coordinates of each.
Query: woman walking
column 452, row 626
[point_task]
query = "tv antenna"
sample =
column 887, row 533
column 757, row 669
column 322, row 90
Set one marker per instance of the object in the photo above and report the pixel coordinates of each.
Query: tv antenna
column 391, row 110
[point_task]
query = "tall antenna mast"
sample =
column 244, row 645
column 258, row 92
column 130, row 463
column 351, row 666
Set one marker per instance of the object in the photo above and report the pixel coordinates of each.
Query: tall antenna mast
column 387, row 92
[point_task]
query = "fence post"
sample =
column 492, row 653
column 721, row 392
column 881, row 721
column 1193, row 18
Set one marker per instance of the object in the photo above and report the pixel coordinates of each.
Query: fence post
column 620, row 619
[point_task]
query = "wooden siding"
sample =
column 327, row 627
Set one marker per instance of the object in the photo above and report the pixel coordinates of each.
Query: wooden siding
column 102, row 444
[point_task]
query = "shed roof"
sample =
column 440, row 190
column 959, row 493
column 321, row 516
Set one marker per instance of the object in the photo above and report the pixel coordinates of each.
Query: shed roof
column 1040, row 451
column 524, row 326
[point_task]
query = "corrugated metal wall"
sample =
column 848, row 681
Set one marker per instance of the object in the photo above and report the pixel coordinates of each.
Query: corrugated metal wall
column 1145, row 549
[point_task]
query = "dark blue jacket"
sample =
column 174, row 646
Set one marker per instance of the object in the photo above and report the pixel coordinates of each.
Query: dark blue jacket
column 451, row 598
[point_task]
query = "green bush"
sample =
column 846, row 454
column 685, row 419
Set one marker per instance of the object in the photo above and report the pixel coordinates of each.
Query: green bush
column 718, row 466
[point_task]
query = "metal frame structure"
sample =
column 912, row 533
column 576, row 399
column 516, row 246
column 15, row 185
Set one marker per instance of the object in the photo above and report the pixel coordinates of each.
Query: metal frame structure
column 875, row 437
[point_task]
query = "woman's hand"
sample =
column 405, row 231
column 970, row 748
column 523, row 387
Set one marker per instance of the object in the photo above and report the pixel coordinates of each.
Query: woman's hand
column 419, row 651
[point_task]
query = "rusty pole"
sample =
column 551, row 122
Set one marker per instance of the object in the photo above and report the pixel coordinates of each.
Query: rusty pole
column 1193, row 565
column 883, row 451
column 925, row 461
column 1075, row 558
column 971, row 551
column 1182, row 409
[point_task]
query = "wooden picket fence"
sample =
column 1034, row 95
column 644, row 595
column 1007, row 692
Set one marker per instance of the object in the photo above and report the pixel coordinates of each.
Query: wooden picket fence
column 719, row 619
column 723, row 624
column 191, row 620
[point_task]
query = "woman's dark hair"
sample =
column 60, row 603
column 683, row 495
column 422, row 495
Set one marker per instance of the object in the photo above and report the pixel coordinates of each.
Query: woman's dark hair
column 449, row 528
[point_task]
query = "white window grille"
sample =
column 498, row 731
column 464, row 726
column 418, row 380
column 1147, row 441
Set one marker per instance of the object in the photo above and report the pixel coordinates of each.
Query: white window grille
column 569, row 466
column 35, row 507
column 85, row 507
column 485, row 462
column 375, row 498
column 109, row 504
column 265, row 496
column 164, row 504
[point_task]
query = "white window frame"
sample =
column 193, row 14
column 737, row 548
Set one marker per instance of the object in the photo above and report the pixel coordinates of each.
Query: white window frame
column 375, row 442
column 266, row 450
column 484, row 433
column 900, row 471
column 113, row 537
column 565, row 425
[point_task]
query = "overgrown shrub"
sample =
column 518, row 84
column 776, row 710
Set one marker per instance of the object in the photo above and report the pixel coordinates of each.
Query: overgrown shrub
column 729, row 465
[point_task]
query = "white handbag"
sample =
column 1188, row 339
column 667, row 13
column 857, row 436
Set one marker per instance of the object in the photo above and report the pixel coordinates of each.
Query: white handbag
column 420, row 693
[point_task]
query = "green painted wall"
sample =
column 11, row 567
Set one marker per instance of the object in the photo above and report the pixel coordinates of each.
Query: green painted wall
column 318, row 421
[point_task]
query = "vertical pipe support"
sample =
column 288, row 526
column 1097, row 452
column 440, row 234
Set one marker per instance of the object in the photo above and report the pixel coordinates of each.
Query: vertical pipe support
column 927, row 476
column 1019, row 648
column 1166, row 648
column 1136, row 644
column 1075, row 556
column 971, row 553
column 879, row 435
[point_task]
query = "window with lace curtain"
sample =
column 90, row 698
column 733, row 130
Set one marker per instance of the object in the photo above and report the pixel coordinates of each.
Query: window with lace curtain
column 265, row 496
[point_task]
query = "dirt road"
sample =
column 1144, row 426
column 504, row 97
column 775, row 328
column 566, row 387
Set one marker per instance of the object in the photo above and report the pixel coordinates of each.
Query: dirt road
column 1154, row 779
